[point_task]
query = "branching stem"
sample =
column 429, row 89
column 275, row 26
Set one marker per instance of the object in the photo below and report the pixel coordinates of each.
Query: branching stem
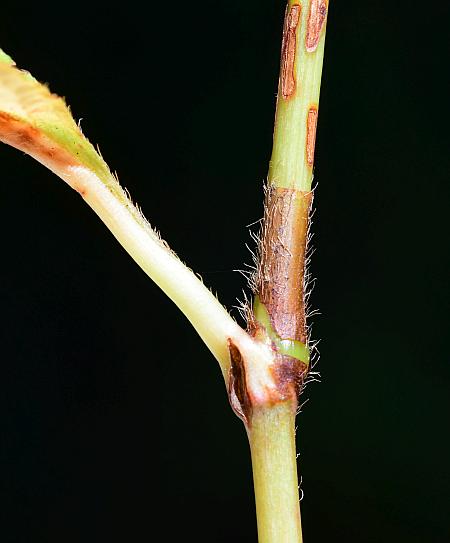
column 265, row 367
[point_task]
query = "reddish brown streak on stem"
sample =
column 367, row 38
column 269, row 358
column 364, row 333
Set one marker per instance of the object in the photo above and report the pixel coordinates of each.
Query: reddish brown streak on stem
column 311, row 126
column 316, row 19
column 288, row 49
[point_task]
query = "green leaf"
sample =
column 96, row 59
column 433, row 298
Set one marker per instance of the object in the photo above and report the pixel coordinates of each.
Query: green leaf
column 5, row 58
column 44, row 121
column 39, row 123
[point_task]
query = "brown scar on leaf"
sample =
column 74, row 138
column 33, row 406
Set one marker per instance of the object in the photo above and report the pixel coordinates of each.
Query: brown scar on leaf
column 287, row 79
column 27, row 138
column 317, row 14
column 17, row 133
column 311, row 127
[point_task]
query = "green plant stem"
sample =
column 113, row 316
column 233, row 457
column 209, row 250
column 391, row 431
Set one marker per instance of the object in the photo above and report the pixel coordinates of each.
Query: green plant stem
column 272, row 443
column 279, row 309
column 289, row 164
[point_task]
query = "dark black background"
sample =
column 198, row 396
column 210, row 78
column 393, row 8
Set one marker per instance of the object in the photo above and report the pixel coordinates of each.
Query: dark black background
column 114, row 419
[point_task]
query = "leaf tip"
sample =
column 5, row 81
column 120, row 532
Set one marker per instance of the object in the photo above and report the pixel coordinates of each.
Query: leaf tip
column 6, row 59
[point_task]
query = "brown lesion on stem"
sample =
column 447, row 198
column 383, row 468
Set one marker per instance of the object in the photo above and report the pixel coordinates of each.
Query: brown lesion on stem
column 316, row 21
column 288, row 50
column 311, row 127
column 281, row 269
column 279, row 382
column 289, row 375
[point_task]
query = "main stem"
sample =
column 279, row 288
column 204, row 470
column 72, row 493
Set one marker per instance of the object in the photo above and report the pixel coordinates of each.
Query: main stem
column 279, row 313
column 272, row 442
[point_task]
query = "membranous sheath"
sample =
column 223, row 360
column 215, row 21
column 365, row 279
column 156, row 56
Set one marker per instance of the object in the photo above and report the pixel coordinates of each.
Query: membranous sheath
column 278, row 316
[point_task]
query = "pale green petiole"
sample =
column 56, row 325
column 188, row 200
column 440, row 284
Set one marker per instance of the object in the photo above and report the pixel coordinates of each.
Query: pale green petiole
column 40, row 124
